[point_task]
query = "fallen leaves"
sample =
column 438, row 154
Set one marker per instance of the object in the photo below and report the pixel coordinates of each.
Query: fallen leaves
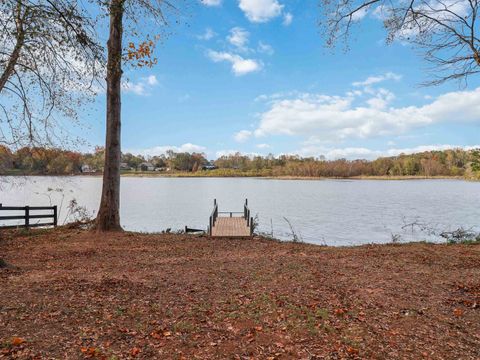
column 458, row 312
column 17, row 341
column 135, row 351
column 153, row 296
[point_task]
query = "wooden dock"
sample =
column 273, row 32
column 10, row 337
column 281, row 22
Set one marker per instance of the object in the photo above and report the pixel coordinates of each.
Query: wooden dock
column 230, row 224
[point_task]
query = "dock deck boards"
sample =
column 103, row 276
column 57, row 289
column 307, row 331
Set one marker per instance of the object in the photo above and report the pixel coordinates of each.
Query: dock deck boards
column 231, row 227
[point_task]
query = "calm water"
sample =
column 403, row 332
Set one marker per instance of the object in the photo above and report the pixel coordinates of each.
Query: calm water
column 333, row 212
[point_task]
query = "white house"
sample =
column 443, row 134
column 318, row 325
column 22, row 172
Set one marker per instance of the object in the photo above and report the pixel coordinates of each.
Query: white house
column 146, row 166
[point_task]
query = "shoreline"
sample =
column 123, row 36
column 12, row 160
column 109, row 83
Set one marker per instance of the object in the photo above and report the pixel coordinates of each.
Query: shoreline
column 267, row 177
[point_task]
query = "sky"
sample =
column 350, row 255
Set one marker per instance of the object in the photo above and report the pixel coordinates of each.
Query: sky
column 254, row 76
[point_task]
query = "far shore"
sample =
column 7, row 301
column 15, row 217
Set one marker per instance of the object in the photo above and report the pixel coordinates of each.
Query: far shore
column 153, row 174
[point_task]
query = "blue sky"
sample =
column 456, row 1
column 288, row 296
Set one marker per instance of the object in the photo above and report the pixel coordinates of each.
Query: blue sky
column 254, row 76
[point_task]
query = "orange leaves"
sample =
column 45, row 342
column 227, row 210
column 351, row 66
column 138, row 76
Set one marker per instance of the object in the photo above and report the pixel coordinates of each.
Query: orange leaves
column 141, row 54
column 17, row 341
column 135, row 351
column 89, row 351
column 155, row 335
column 352, row 350
column 458, row 312
column 339, row 312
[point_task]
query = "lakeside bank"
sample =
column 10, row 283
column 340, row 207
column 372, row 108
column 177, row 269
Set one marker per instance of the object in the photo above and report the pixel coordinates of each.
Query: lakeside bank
column 77, row 294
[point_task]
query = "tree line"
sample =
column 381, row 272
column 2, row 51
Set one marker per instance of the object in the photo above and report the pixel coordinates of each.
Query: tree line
column 51, row 161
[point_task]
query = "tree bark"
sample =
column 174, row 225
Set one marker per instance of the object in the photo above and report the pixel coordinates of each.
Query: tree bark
column 108, row 218
column 20, row 40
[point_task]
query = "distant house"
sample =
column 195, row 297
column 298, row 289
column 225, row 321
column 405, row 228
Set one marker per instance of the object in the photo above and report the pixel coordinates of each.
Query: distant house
column 209, row 166
column 87, row 169
column 124, row 166
column 161, row 168
column 146, row 166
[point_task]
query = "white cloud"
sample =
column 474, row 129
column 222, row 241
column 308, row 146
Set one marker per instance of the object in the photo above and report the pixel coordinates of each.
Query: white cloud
column 259, row 11
column 207, row 35
column 353, row 153
column 265, row 48
column 371, row 80
column 238, row 37
column 161, row 150
column 151, row 80
column 323, row 118
column 211, row 2
column 263, row 146
column 240, row 66
column 242, row 135
column 287, row 19
column 221, row 153
column 360, row 14
column 434, row 12
column 140, row 87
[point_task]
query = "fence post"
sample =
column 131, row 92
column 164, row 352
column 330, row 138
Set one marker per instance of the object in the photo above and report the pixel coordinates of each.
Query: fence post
column 55, row 216
column 251, row 227
column 27, row 216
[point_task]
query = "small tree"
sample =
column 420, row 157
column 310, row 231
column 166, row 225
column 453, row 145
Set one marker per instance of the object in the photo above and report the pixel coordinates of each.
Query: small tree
column 445, row 31
column 49, row 62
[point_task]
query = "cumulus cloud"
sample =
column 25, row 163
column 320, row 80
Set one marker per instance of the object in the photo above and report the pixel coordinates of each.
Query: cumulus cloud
column 324, row 118
column 265, row 48
column 140, row 87
column 353, row 153
column 228, row 152
column 242, row 135
column 238, row 37
column 260, row 11
column 240, row 66
column 263, row 146
column 287, row 19
column 371, row 80
column 162, row 150
column 211, row 2
column 207, row 35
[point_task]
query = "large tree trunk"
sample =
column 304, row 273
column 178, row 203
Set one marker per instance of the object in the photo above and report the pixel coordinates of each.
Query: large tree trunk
column 108, row 218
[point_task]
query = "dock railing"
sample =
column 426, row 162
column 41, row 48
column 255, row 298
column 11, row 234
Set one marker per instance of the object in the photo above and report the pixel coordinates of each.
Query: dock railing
column 247, row 217
column 215, row 213
column 28, row 215
column 213, row 217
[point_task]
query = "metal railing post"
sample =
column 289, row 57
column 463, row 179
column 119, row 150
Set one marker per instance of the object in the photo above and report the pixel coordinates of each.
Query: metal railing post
column 210, row 227
column 27, row 217
column 55, row 216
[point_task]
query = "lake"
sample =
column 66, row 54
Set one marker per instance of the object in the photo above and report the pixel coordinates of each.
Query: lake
column 331, row 212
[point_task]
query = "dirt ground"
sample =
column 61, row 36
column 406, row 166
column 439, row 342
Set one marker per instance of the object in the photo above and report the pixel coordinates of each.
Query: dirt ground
column 75, row 295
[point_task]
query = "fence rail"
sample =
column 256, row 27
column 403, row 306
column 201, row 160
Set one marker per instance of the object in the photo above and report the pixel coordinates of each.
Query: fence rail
column 27, row 216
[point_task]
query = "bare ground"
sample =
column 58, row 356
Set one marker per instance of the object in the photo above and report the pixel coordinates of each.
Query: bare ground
column 78, row 295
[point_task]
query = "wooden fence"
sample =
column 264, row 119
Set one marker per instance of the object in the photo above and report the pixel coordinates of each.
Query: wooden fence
column 28, row 214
